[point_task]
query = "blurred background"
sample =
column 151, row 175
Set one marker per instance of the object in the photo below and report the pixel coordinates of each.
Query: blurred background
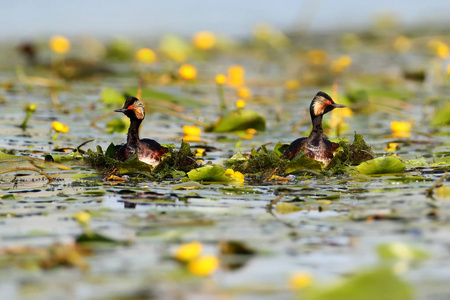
column 31, row 19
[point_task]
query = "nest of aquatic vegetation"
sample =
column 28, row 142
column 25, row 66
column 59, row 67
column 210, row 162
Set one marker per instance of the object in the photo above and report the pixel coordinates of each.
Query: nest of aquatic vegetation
column 262, row 163
column 350, row 155
column 174, row 164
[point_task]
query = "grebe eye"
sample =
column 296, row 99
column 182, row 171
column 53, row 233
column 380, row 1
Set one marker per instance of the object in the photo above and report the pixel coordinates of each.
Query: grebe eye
column 130, row 107
column 328, row 102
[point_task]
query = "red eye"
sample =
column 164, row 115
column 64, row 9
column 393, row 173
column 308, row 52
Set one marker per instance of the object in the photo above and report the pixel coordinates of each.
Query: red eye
column 328, row 102
column 130, row 107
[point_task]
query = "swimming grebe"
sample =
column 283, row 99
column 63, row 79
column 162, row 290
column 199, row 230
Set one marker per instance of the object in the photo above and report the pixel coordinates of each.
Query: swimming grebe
column 316, row 145
column 147, row 151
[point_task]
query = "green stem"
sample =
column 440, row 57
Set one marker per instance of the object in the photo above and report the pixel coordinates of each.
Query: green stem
column 55, row 135
column 221, row 93
column 25, row 121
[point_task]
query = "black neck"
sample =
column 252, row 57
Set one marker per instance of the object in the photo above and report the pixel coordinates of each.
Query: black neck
column 133, row 133
column 317, row 124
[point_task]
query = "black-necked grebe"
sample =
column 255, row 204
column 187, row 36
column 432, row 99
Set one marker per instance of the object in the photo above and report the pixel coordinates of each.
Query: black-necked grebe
column 316, row 145
column 147, row 151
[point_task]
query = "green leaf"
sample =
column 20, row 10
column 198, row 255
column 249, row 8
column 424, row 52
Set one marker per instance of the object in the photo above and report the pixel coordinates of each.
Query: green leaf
column 111, row 96
column 117, row 125
column 286, row 208
column 279, row 149
column 382, row 165
column 112, row 150
column 442, row 116
column 379, row 283
column 398, row 250
column 302, row 162
column 240, row 119
column 209, row 173
column 417, row 162
column 148, row 93
column 4, row 156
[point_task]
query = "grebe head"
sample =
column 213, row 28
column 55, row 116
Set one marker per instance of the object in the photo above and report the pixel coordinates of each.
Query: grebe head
column 321, row 104
column 133, row 109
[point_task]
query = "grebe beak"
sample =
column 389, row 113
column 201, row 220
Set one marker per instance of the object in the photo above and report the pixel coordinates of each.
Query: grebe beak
column 121, row 110
column 335, row 105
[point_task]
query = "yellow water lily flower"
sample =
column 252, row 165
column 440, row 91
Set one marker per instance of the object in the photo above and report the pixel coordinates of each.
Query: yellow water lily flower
column 59, row 44
column 204, row 40
column 236, row 75
column 187, row 71
column 235, row 175
column 146, row 55
column 221, row 79
column 244, row 93
column 300, row 280
column 340, row 64
column 191, row 133
column 60, row 127
column 203, row 266
column 240, row 103
column 401, row 129
column 189, row 251
column 83, row 217
column 317, row 57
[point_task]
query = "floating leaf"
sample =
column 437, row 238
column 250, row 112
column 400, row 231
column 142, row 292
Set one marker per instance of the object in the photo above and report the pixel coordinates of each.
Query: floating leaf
column 382, row 165
column 286, row 208
column 148, row 93
column 240, row 119
column 380, row 283
column 442, row 116
column 111, row 96
column 417, row 162
column 209, row 173
column 279, row 149
column 398, row 250
column 302, row 163
column 117, row 125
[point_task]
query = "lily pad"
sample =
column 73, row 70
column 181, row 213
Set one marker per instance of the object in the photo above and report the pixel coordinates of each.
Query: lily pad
column 148, row 93
column 111, row 96
column 302, row 163
column 442, row 116
column 209, row 173
column 382, row 165
column 286, row 208
column 380, row 283
column 240, row 119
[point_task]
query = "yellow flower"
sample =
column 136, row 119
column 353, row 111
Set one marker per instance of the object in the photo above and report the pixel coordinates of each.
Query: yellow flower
column 292, row 84
column 203, row 266
column 146, row 55
column 60, row 127
column 442, row 50
column 236, row 75
column 191, row 133
column 221, row 79
column 402, row 43
column 31, row 108
column 237, row 176
column 187, row 71
column 240, row 103
column 189, row 251
column 83, row 217
column 199, row 152
column 300, row 280
column 317, row 57
column 244, row 92
column 204, row 40
column 439, row 48
column 401, row 129
column 391, row 147
column 59, row 44
column 340, row 64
